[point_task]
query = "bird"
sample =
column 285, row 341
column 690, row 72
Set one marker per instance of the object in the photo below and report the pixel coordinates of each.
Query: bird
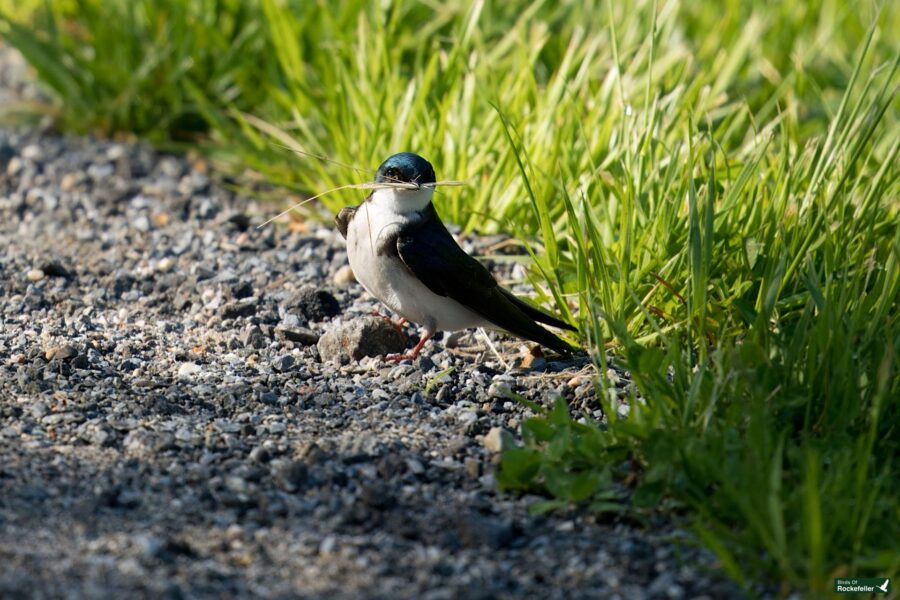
column 403, row 255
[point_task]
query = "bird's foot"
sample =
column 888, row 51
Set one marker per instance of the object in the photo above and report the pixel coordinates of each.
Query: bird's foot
column 401, row 357
column 397, row 325
column 412, row 354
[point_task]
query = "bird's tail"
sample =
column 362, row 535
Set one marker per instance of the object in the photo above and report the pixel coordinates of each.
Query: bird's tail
column 536, row 313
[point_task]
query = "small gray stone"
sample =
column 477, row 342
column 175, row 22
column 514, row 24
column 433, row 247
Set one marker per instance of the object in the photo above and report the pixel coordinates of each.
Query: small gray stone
column 39, row 409
column 97, row 436
column 368, row 336
column 253, row 337
column 149, row 546
column 498, row 390
column 62, row 417
column 236, row 484
column 138, row 443
column 284, row 363
column 425, row 364
column 328, row 545
column 142, row 223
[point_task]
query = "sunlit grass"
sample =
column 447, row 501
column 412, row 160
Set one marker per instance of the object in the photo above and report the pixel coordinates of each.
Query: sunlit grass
column 709, row 189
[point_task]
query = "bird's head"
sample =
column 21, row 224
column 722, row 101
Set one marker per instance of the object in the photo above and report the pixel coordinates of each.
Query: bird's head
column 405, row 167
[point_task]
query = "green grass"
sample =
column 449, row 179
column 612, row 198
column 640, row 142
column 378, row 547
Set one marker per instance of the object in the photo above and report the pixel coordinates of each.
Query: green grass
column 709, row 188
column 123, row 66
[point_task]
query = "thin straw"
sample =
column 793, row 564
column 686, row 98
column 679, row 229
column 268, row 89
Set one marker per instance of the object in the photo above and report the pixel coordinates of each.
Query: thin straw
column 370, row 185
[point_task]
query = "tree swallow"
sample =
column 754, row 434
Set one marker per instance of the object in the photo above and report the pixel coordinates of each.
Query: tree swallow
column 403, row 255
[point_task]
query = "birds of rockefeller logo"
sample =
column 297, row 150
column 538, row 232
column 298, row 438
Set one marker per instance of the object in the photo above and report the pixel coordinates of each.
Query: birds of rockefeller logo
column 862, row 585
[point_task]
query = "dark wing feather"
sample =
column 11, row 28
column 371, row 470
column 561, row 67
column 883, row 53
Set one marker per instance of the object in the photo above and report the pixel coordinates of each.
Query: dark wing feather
column 343, row 218
column 536, row 313
column 430, row 253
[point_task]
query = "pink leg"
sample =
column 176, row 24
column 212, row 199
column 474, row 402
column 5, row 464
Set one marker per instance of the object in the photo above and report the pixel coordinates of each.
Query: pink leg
column 414, row 353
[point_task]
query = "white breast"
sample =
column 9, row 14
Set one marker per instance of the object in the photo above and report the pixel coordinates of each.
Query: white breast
column 387, row 278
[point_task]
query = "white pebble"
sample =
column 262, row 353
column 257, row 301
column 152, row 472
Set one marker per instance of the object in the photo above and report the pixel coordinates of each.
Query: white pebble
column 188, row 369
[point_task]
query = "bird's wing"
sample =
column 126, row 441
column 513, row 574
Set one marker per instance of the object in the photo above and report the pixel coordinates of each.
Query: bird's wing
column 536, row 313
column 430, row 253
column 343, row 218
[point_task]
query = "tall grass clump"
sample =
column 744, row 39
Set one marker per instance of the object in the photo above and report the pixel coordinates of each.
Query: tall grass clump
column 135, row 66
column 709, row 188
column 749, row 274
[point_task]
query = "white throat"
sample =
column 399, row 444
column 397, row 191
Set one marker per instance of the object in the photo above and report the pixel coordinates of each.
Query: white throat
column 401, row 202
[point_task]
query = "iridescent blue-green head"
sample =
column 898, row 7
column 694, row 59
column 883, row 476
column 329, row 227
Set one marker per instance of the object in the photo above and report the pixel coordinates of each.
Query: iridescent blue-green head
column 405, row 167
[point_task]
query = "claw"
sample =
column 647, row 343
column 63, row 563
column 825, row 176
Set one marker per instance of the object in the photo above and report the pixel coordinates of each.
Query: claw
column 412, row 354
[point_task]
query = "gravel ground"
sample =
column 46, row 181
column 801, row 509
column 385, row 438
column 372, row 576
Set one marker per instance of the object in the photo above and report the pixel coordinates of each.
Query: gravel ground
column 168, row 427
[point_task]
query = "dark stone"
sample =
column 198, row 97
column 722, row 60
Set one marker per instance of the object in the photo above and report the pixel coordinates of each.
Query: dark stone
column 240, row 308
column 240, row 221
column 54, row 268
column 241, row 290
column 391, row 465
column 291, row 475
column 315, row 305
column 7, row 153
column 477, row 530
column 81, row 362
column 122, row 284
column 300, row 335
column 377, row 495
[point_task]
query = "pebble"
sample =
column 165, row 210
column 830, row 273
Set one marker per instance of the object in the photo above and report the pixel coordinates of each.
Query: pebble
column 366, row 336
column 189, row 369
column 165, row 265
column 497, row 440
column 63, row 352
column 499, row 389
column 284, row 363
column 343, row 276
column 14, row 166
column 32, row 152
column 328, row 545
column 316, row 304
column 300, row 335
